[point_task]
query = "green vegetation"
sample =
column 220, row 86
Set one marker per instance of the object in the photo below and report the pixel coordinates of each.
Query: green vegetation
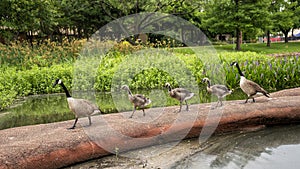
column 179, row 66
column 58, row 19
column 31, row 76
column 37, row 80
column 42, row 40
column 23, row 56
column 276, row 48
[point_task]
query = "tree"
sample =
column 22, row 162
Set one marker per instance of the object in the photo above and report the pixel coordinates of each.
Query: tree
column 185, row 9
column 296, row 10
column 228, row 16
column 284, row 17
column 28, row 17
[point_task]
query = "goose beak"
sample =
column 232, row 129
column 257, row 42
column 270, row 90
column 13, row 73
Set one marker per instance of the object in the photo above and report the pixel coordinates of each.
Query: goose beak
column 233, row 63
column 54, row 84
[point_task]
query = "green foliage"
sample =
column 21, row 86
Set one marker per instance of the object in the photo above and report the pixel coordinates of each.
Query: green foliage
column 36, row 80
column 272, row 74
column 275, row 48
column 227, row 16
column 24, row 57
column 147, row 70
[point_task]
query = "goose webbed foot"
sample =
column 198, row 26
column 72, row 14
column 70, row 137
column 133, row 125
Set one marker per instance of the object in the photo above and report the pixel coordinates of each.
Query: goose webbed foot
column 134, row 109
column 187, row 106
column 246, row 101
column 74, row 125
column 90, row 120
column 71, row 128
column 144, row 112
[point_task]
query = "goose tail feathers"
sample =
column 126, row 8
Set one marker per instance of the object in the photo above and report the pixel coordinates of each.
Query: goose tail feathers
column 190, row 95
column 148, row 101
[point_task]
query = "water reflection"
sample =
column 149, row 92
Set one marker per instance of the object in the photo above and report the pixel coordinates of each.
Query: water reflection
column 274, row 147
column 36, row 110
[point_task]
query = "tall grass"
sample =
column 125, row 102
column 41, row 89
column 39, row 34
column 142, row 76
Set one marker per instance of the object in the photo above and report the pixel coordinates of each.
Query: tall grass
column 27, row 71
column 23, row 56
column 273, row 74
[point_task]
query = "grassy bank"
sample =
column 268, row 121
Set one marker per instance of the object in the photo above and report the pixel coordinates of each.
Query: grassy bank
column 28, row 71
column 262, row 48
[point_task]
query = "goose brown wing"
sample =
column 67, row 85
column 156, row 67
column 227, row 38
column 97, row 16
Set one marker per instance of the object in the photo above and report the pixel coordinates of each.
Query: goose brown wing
column 90, row 104
column 84, row 107
column 182, row 91
column 139, row 99
column 183, row 94
column 221, row 89
column 257, row 88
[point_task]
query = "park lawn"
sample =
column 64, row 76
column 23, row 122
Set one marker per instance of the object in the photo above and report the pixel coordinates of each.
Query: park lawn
column 262, row 48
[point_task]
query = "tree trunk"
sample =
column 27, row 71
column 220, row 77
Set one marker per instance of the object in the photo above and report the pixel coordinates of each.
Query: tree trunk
column 285, row 32
column 238, row 39
column 286, row 39
column 268, row 39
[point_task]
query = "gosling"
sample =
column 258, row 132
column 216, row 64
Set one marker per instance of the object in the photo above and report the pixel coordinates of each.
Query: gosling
column 138, row 100
column 218, row 90
column 180, row 94
column 80, row 107
column 249, row 87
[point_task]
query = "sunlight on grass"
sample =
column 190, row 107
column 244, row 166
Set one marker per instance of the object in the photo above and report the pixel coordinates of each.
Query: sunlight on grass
column 262, row 47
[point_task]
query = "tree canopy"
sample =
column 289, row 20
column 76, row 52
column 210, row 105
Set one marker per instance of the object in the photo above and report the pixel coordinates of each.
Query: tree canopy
column 55, row 19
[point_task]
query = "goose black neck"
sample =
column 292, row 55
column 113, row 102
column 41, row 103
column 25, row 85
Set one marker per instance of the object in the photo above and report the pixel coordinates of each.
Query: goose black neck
column 208, row 83
column 129, row 92
column 240, row 72
column 169, row 88
column 66, row 90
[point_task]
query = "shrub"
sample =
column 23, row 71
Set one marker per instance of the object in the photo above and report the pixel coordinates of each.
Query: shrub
column 14, row 82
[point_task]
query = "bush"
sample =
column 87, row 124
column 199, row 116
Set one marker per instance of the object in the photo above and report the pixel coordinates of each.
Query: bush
column 24, row 56
column 37, row 80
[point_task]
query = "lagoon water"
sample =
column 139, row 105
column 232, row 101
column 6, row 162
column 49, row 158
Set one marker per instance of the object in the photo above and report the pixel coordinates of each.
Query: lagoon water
column 271, row 148
column 274, row 147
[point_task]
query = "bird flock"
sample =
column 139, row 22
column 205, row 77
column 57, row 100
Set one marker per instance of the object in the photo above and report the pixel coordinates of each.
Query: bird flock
column 85, row 108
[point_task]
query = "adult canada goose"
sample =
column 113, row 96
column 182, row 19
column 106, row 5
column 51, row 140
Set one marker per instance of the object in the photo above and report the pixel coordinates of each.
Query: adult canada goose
column 249, row 87
column 219, row 90
column 137, row 100
column 180, row 94
column 80, row 107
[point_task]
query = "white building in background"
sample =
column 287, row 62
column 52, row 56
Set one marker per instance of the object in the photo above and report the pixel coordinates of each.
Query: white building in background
column 296, row 32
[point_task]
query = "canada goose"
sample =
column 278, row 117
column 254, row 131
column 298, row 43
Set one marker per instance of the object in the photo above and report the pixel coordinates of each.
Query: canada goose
column 249, row 87
column 180, row 94
column 219, row 90
column 137, row 100
column 79, row 107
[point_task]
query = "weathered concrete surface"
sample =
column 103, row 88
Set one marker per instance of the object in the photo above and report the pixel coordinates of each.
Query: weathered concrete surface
column 53, row 146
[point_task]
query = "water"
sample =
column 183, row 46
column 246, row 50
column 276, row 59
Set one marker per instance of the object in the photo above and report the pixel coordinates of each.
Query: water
column 271, row 148
column 36, row 110
column 49, row 108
